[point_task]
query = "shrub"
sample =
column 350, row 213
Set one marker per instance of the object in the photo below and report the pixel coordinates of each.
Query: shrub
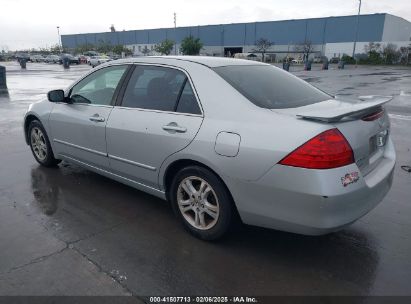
column 348, row 59
column 165, row 47
column 191, row 46
column 391, row 54
column 373, row 57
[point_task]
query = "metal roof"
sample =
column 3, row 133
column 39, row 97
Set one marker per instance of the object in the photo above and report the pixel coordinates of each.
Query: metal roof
column 317, row 30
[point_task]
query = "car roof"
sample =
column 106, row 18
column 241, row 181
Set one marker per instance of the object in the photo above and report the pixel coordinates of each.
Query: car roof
column 208, row 61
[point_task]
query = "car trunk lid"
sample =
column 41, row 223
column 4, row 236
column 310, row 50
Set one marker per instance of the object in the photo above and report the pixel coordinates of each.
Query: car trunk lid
column 363, row 121
column 334, row 110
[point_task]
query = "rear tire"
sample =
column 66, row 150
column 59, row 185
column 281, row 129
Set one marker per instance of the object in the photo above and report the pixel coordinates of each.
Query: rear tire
column 202, row 203
column 40, row 145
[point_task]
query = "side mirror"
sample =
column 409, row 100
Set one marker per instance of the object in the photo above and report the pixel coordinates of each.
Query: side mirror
column 56, row 96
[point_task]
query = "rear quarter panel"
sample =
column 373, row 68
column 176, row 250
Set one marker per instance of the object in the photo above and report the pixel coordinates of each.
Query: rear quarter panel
column 266, row 137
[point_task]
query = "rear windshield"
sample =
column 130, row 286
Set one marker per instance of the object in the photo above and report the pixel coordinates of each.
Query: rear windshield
column 270, row 87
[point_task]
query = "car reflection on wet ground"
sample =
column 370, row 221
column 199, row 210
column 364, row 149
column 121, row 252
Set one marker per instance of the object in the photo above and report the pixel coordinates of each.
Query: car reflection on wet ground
column 67, row 231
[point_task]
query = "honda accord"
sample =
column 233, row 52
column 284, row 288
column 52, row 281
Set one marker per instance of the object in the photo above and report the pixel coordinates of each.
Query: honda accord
column 222, row 139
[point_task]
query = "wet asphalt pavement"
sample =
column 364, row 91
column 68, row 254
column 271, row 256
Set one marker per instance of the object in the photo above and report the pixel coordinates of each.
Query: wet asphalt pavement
column 67, row 231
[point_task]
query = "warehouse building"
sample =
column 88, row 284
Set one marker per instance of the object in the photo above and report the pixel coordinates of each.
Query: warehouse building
column 330, row 36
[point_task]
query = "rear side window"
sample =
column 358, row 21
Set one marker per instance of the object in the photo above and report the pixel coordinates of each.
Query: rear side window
column 270, row 87
column 188, row 102
column 158, row 88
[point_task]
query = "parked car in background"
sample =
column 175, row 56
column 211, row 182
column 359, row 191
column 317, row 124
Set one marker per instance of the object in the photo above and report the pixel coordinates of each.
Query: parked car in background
column 91, row 53
column 334, row 60
column 168, row 133
column 37, row 58
column 52, row 59
column 71, row 58
column 115, row 57
column 96, row 60
column 20, row 56
column 249, row 56
column 298, row 60
column 83, row 59
column 317, row 59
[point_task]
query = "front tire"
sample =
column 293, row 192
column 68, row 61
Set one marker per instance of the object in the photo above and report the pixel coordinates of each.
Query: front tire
column 202, row 202
column 40, row 145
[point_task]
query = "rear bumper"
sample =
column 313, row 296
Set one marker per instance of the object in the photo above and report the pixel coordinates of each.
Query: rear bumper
column 312, row 202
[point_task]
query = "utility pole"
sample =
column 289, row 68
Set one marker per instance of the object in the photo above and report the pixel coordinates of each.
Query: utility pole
column 175, row 34
column 356, row 31
column 59, row 39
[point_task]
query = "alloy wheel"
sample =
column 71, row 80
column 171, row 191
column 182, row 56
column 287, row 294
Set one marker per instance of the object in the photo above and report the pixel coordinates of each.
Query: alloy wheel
column 198, row 203
column 38, row 143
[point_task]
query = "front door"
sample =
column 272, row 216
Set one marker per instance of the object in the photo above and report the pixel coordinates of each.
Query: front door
column 78, row 128
column 159, row 115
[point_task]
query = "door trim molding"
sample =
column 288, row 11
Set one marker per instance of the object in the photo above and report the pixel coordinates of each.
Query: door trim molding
column 127, row 161
column 140, row 186
column 79, row 147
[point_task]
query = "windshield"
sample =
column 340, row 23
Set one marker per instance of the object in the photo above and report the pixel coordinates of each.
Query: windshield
column 270, row 87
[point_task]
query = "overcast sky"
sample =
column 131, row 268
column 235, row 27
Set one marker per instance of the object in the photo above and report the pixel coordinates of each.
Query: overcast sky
column 33, row 23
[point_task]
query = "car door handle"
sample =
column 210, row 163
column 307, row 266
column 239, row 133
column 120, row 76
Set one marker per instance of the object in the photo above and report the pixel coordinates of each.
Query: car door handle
column 96, row 118
column 172, row 126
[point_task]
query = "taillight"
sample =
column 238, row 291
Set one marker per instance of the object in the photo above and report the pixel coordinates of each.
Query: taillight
column 327, row 150
column 374, row 115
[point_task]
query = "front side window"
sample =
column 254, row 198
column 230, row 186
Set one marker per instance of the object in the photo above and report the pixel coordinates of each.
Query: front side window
column 99, row 87
column 159, row 88
column 269, row 87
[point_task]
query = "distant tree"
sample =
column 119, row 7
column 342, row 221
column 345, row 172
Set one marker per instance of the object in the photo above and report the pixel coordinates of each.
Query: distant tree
column 347, row 59
column 390, row 53
column 55, row 49
column 112, row 28
column 165, row 47
column 104, row 47
column 262, row 45
column 119, row 49
column 146, row 51
column 82, row 48
column 304, row 47
column 44, row 50
column 191, row 46
column 373, row 51
column 405, row 53
column 372, row 47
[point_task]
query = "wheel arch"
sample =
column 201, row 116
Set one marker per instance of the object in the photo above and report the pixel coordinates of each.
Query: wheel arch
column 28, row 119
column 179, row 164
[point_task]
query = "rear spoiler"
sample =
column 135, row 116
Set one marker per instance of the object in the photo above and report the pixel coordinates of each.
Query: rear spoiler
column 334, row 110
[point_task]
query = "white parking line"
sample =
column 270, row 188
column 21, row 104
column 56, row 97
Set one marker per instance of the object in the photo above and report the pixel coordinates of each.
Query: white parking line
column 402, row 117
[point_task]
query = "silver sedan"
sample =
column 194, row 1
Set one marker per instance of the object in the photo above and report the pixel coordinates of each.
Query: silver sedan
column 222, row 139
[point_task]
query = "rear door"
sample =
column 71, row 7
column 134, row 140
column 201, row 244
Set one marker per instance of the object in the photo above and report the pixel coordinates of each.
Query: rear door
column 78, row 128
column 158, row 116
